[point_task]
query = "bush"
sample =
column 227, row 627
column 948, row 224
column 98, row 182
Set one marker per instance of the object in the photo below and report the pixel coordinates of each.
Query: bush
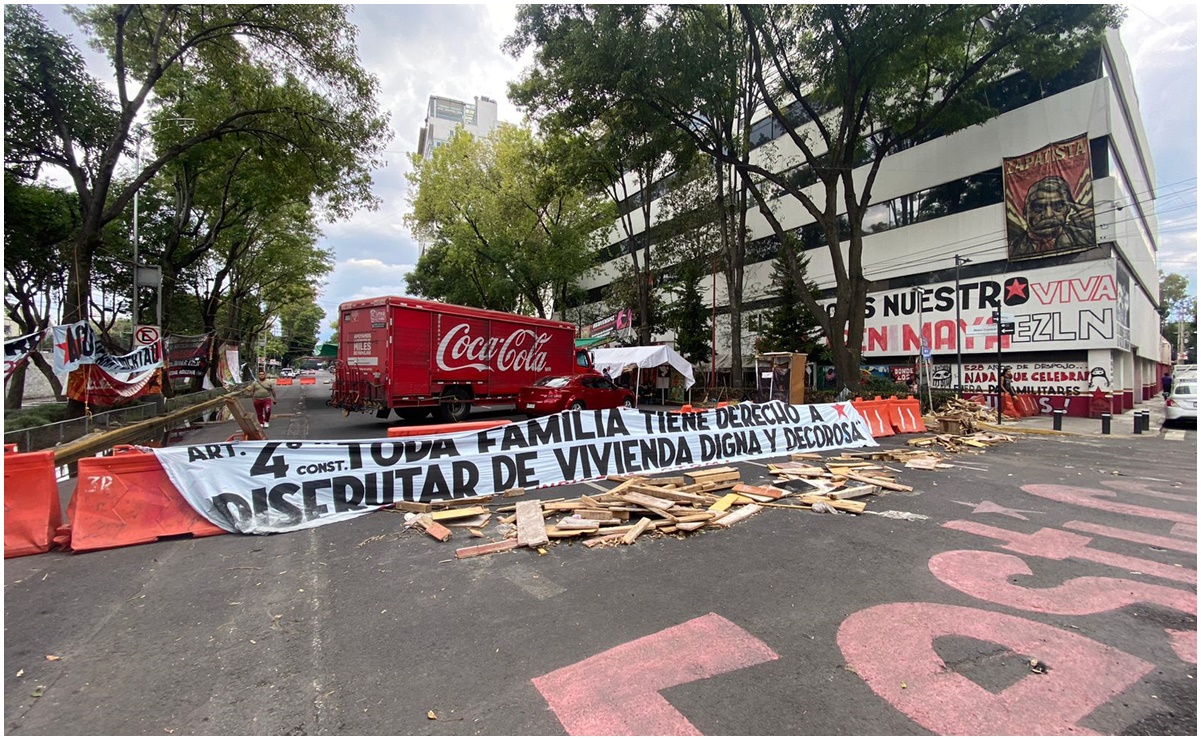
column 34, row 416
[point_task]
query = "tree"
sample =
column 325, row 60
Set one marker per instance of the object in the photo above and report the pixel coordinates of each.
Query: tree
column 502, row 215
column 299, row 324
column 66, row 123
column 848, row 85
column 789, row 326
column 1177, row 314
column 687, row 316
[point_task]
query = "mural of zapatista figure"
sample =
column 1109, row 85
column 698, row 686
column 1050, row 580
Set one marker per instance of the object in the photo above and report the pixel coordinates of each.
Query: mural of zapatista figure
column 1049, row 200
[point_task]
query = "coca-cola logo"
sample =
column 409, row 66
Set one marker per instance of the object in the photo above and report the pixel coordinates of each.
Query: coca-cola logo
column 521, row 350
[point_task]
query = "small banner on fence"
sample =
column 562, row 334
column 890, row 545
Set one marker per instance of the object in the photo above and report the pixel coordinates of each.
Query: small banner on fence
column 18, row 348
column 187, row 361
column 264, row 487
column 77, row 344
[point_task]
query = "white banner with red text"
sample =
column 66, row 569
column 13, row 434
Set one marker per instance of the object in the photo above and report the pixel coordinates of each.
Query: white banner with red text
column 265, row 487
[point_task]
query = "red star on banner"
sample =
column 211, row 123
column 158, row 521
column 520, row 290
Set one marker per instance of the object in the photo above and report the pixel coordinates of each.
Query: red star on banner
column 841, row 409
column 1016, row 289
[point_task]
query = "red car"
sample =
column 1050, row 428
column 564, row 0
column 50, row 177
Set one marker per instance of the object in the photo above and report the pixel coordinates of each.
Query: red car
column 556, row 393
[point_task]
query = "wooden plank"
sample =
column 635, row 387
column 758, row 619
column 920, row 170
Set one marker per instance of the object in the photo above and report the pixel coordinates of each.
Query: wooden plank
column 855, row 507
column 674, row 481
column 572, row 522
column 514, row 492
column 602, row 514
column 432, row 528
column 629, row 537
column 470, row 511
column 413, row 506
column 593, row 542
column 770, row 492
column 855, row 492
column 885, row 484
column 670, row 494
column 700, row 516
column 642, row 499
column 590, row 502
column 453, row 503
column 488, row 549
column 715, row 477
column 694, row 474
column 738, row 515
column 691, row 526
column 531, row 528
column 479, row 521
column 727, row 501
column 560, row 533
column 805, row 456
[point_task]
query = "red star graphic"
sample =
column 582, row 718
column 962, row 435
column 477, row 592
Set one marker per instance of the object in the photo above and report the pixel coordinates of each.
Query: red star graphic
column 1016, row 289
column 841, row 409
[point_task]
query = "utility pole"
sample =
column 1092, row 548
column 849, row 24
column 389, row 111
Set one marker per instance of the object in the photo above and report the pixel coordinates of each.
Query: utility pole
column 958, row 328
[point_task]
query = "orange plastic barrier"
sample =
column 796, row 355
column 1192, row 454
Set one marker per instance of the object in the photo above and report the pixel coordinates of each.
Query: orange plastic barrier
column 1008, row 407
column 9, row 449
column 875, row 413
column 455, row 428
column 127, row 499
column 1032, row 404
column 31, row 508
column 308, row 380
column 905, row 414
column 283, row 381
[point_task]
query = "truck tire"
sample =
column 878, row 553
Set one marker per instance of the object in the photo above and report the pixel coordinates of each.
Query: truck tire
column 455, row 406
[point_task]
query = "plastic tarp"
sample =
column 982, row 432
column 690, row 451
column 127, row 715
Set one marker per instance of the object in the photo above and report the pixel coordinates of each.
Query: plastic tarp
column 615, row 359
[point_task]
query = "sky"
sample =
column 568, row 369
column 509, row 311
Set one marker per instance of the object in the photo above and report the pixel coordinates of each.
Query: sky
column 455, row 51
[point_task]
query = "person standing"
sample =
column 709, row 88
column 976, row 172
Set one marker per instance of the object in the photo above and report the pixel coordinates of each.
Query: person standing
column 262, row 391
column 1007, row 382
column 1166, row 381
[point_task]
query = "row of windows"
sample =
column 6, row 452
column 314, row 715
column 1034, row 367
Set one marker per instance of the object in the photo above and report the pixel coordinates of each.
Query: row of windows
column 950, row 198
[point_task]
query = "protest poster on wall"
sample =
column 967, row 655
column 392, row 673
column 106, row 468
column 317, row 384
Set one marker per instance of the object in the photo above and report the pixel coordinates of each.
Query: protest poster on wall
column 265, row 487
column 187, row 361
column 77, row 344
column 1049, row 200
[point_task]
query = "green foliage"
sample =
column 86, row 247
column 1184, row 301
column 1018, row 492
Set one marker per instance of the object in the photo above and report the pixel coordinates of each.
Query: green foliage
column 34, row 416
column 688, row 316
column 506, row 229
column 1178, row 315
column 879, row 73
column 790, row 325
column 299, row 324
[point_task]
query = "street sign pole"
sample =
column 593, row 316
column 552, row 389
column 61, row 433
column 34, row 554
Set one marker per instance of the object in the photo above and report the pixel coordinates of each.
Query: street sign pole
column 1000, row 416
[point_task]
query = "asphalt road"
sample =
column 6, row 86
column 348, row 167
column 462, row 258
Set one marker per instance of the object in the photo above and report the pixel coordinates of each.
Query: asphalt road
column 1076, row 552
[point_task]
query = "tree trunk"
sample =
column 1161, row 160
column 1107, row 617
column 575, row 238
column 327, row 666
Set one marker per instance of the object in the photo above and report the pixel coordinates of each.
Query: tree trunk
column 15, row 395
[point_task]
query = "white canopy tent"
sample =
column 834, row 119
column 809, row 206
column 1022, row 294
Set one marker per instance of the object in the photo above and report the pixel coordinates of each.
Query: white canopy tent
column 616, row 359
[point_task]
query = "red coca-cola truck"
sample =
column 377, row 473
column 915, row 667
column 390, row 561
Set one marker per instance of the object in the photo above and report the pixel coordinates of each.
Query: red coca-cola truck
column 416, row 357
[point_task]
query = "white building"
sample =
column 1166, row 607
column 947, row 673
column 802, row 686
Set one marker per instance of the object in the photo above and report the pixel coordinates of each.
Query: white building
column 444, row 115
column 1085, row 315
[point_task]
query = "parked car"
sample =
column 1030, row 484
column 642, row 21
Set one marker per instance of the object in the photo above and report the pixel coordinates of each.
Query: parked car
column 287, row 372
column 556, row 393
column 1182, row 402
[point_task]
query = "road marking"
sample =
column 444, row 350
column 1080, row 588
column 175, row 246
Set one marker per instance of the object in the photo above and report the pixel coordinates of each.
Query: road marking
column 617, row 692
column 1174, row 436
column 595, row 485
column 531, row 581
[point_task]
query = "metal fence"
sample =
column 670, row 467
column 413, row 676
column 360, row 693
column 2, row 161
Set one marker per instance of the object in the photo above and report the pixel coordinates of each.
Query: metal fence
column 50, row 435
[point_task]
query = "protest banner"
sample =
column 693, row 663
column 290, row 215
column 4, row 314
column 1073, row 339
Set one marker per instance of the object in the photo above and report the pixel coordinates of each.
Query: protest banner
column 187, row 361
column 17, row 349
column 264, row 487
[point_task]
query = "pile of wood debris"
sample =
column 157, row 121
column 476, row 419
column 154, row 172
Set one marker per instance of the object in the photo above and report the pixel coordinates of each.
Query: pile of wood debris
column 708, row 499
column 961, row 416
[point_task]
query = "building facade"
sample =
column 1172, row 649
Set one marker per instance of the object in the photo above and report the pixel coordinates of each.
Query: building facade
column 444, row 115
column 1070, row 262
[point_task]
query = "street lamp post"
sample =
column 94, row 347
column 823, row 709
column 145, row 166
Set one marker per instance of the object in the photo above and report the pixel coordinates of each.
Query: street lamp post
column 135, row 314
column 958, row 328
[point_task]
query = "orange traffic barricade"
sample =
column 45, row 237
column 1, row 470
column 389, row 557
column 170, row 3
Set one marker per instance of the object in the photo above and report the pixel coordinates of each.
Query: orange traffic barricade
column 905, row 414
column 875, row 413
column 1008, row 407
column 31, row 508
column 283, row 381
column 1032, row 404
column 308, row 380
column 9, row 449
column 454, row 428
column 127, row 499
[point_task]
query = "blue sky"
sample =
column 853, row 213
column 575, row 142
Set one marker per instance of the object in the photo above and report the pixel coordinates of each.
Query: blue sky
column 454, row 51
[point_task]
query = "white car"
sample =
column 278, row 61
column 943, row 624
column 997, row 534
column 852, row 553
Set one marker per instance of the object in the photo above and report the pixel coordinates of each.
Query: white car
column 1182, row 402
column 287, row 372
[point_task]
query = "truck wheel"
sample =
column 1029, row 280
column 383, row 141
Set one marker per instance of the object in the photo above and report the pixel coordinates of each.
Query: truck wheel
column 576, row 405
column 455, row 406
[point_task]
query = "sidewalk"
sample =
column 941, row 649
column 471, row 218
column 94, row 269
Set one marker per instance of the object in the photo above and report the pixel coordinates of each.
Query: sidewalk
column 1121, row 425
